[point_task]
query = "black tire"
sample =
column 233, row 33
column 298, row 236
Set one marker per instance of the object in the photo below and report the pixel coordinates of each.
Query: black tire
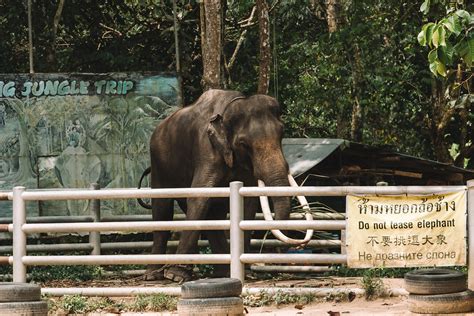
column 19, row 292
column 462, row 302
column 211, row 288
column 39, row 308
column 435, row 281
column 211, row 306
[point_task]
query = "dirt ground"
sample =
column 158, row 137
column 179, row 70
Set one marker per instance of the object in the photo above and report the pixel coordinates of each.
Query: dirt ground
column 359, row 306
column 392, row 305
column 395, row 305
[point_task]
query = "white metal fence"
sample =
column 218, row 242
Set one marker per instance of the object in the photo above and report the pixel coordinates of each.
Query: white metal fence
column 237, row 225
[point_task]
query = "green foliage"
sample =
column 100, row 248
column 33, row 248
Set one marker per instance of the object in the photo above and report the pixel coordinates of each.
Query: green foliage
column 204, row 270
column 372, row 284
column 121, row 268
column 450, row 39
column 340, row 296
column 312, row 74
column 344, row 271
column 104, row 304
column 74, row 304
column 6, row 269
column 77, row 304
column 155, row 303
column 75, row 273
column 263, row 298
column 316, row 83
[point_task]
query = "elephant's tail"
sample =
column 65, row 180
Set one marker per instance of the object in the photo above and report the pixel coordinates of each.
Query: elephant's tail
column 139, row 200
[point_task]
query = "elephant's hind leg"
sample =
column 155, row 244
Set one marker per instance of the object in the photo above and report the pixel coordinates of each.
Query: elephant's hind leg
column 162, row 211
column 197, row 209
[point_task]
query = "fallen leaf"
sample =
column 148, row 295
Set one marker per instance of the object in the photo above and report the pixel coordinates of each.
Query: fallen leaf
column 351, row 296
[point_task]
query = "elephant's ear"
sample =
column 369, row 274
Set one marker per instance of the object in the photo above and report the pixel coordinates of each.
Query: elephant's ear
column 217, row 135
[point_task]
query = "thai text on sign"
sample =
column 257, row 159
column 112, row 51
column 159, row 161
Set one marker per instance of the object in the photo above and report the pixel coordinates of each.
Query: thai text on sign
column 406, row 231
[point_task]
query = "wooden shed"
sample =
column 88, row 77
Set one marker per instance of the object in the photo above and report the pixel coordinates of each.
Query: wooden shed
column 325, row 161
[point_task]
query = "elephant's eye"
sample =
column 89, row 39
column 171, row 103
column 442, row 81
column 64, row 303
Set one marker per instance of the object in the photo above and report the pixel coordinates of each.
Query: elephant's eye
column 242, row 143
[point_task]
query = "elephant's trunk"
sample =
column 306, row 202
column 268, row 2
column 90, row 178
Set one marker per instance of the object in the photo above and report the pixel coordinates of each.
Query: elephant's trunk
column 281, row 204
column 272, row 169
column 275, row 173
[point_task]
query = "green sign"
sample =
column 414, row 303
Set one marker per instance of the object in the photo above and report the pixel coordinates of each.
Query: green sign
column 71, row 130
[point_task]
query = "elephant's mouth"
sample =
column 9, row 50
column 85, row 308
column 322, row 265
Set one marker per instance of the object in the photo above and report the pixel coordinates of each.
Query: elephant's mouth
column 268, row 216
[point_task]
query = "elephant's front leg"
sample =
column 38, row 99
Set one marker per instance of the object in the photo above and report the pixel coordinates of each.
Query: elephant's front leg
column 188, row 241
column 250, row 209
column 217, row 238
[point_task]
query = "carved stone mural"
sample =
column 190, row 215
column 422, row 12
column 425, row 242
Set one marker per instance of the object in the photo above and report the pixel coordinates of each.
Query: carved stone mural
column 71, row 130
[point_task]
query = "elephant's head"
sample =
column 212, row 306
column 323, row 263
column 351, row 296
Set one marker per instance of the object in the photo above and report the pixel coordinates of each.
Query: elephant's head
column 248, row 133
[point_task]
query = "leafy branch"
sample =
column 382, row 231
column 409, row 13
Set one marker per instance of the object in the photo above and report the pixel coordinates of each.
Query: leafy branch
column 451, row 39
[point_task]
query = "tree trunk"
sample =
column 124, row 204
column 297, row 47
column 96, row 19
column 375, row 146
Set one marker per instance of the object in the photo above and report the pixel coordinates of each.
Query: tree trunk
column 465, row 146
column 25, row 174
column 265, row 52
column 211, row 43
column 332, row 14
column 357, row 122
column 336, row 19
column 51, row 60
column 438, row 121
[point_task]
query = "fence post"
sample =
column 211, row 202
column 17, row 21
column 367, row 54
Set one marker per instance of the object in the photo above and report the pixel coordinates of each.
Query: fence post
column 237, row 268
column 94, row 207
column 343, row 242
column 19, row 237
column 470, row 234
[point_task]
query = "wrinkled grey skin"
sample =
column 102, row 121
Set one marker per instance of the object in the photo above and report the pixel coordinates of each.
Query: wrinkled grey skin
column 222, row 137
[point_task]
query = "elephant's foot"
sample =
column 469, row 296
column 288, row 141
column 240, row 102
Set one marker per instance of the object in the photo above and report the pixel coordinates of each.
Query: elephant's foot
column 154, row 274
column 179, row 273
column 221, row 271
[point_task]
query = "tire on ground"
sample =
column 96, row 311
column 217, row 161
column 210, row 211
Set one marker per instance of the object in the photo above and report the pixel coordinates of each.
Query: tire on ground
column 211, row 306
column 462, row 302
column 435, row 281
column 19, row 292
column 39, row 308
column 206, row 288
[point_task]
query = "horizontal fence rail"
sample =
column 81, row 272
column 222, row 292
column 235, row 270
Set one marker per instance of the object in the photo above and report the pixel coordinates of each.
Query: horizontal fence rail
column 145, row 218
column 127, row 227
column 110, row 194
column 4, row 195
column 51, row 219
column 236, row 224
column 347, row 190
column 127, row 259
column 278, row 224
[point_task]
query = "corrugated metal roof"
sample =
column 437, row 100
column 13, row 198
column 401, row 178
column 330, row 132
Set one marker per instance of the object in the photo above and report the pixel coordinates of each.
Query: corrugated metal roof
column 303, row 154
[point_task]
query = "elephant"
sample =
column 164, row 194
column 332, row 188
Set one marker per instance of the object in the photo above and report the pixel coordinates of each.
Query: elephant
column 223, row 137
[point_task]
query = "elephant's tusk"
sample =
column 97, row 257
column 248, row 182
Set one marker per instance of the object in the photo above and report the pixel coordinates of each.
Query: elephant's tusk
column 268, row 216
